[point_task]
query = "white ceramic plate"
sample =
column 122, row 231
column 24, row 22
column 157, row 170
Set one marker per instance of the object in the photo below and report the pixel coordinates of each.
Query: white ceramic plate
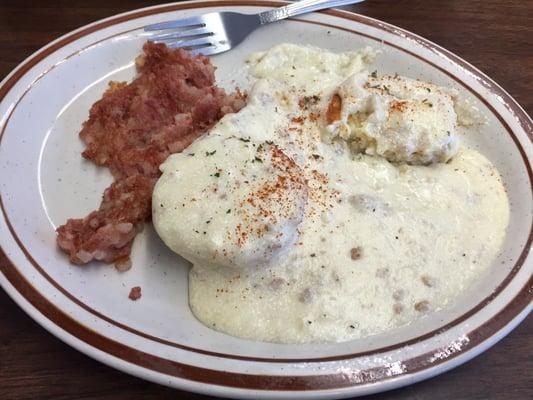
column 44, row 180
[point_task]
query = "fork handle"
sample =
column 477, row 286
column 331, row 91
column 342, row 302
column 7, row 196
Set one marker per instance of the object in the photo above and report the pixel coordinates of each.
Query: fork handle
column 301, row 7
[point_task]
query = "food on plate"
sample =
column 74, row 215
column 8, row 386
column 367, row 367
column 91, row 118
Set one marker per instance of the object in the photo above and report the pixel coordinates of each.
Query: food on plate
column 335, row 205
column 398, row 118
column 135, row 293
column 132, row 130
column 252, row 193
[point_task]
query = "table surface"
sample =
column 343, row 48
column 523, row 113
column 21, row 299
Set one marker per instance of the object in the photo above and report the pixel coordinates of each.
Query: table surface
column 494, row 35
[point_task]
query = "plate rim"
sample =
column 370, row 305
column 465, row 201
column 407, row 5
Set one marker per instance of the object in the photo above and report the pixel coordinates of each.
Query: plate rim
column 6, row 85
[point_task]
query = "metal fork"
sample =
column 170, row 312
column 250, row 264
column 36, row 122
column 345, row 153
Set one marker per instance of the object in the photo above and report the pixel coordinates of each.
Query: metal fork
column 218, row 32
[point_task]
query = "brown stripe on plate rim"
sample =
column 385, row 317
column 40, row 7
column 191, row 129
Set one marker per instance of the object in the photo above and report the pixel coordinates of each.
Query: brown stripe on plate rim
column 69, row 38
